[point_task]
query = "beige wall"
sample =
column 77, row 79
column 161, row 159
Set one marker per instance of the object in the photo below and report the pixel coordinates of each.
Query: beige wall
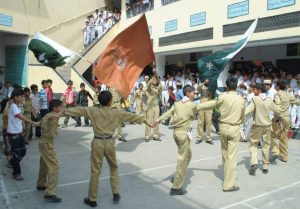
column 38, row 73
column 216, row 17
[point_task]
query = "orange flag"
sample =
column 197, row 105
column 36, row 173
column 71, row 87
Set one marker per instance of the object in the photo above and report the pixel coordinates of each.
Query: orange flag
column 125, row 57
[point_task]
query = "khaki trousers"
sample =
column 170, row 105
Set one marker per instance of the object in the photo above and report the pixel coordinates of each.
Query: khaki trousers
column 49, row 168
column 184, row 156
column 151, row 115
column 205, row 117
column 256, row 133
column 139, row 107
column 230, row 137
column 103, row 148
column 280, row 132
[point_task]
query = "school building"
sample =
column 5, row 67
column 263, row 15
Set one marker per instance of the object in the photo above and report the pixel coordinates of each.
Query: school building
column 181, row 31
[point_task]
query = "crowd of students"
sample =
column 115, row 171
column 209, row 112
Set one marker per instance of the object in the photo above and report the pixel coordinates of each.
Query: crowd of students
column 135, row 7
column 98, row 24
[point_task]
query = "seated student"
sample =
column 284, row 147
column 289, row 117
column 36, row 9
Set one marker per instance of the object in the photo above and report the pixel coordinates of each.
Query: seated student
column 105, row 120
column 15, row 132
column 49, row 165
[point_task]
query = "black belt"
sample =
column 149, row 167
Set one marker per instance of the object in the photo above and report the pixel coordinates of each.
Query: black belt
column 103, row 137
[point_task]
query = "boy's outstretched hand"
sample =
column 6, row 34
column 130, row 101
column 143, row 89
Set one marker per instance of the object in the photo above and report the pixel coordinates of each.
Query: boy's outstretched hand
column 155, row 123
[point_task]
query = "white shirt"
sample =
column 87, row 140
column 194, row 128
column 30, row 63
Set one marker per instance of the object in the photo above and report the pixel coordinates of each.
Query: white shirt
column 271, row 93
column 14, row 123
column 7, row 92
column 293, row 83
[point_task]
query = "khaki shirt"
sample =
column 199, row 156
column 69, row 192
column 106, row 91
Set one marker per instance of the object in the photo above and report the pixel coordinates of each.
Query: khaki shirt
column 204, row 92
column 261, row 110
column 183, row 113
column 116, row 96
column 231, row 106
column 95, row 99
column 49, row 125
column 139, row 95
column 284, row 100
column 152, row 93
column 28, row 107
column 105, row 120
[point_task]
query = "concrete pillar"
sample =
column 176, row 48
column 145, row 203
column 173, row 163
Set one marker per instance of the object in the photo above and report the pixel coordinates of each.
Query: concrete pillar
column 160, row 64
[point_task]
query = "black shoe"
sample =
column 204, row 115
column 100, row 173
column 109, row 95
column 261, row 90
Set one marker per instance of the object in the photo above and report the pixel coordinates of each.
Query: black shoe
column 177, row 192
column 252, row 170
column 86, row 125
column 265, row 171
column 282, row 160
column 198, row 142
column 41, row 188
column 210, row 142
column 157, row 139
column 116, row 198
column 274, row 158
column 77, row 125
column 52, row 198
column 87, row 201
column 233, row 189
column 122, row 139
column 147, row 140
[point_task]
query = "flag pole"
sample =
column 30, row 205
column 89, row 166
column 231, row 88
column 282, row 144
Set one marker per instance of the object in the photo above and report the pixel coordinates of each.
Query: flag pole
column 85, row 59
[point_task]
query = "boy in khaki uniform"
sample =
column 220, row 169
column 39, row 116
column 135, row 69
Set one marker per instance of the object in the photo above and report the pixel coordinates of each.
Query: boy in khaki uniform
column 183, row 112
column 281, row 123
column 116, row 103
column 139, row 99
column 205, row 117
column 260, row 108
column 154, row 89
column 232, row 111
column 49, row 166
column 28, row 112
column 105, row 120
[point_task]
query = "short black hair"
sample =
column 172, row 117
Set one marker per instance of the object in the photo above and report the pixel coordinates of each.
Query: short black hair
column 231, row 83
column 281, row 84
column 104, row 97
column 82, row 84
column 187, row 89
column 49, row 81
column 26, row 89
column 33, row 87
column 17, row 92
column 70, row 82
column 54, row 103
column 43, row 82
column 261, row 87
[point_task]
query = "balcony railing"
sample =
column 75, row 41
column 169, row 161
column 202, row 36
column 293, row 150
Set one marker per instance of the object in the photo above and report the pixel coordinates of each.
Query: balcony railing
column 165, row 2
column 136, row 7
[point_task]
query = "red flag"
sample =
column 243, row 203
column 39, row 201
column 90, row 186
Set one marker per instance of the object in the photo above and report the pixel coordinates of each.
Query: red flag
column 125, row 57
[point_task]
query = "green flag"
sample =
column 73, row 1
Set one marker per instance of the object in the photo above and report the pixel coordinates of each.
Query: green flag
column 48, row 52
column 211, row 67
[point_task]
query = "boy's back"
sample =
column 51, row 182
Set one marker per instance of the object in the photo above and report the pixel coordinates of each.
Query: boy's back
column 104, row 119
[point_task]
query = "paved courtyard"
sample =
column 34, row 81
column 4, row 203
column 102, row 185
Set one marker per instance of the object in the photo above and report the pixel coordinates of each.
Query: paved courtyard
column 145, row 170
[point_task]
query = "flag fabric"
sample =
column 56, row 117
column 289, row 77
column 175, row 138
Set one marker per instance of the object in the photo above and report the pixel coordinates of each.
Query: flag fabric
column 213, row 66
column 124, row 59
column 48, row 52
